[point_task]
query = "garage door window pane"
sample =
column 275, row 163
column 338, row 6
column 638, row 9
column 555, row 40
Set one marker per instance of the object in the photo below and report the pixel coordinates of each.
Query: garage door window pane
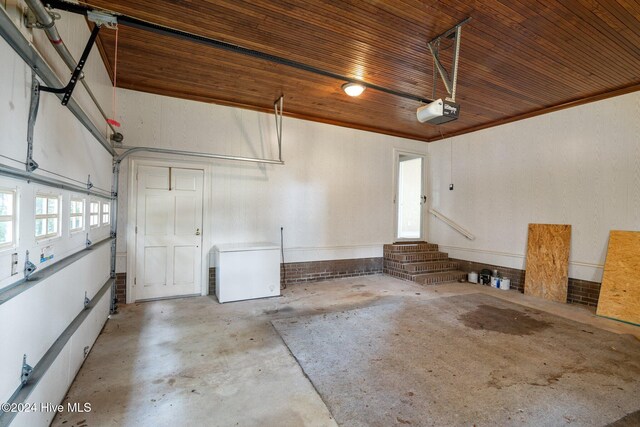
column 52, row 225
column 47, row 216
column 6, row 232
column 7, row 218
column 52, row 206
column 40, row 205
column 40, row 227
column 6, row 204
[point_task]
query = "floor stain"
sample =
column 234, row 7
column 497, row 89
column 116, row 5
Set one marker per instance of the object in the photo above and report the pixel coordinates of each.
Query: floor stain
column 362, row 295
column 503, row 320
column 550, row 375
column 285, row 309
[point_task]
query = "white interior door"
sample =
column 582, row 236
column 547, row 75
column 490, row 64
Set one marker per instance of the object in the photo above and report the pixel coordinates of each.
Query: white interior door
column 410, row 197
column 168, row 232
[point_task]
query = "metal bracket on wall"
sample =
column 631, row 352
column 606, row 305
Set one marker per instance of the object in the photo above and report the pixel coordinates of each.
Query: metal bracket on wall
column 26, row 370
column 278, row 108
column 29, row 267
column 77, row 72
column 87, row 241
column 33, row 114
column 450, row 80
column 87, row 301
column 103, row 19
column 89, row 183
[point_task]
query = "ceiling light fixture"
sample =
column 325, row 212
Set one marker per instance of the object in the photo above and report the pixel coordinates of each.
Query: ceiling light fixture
column 353, row 89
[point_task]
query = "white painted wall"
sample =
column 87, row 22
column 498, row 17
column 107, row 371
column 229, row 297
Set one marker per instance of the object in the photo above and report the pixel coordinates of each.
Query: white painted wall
column 334, row 195
column 579, row 166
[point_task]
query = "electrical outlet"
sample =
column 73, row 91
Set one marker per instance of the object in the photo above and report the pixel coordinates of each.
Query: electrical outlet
column 451, row 187
column 14, row 263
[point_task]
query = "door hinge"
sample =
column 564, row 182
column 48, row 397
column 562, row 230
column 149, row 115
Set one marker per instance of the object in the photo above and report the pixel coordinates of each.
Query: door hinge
column 135, row 280
column 136, row 229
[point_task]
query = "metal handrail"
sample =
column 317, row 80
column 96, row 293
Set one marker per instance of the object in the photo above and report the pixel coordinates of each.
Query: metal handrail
column 451, row 223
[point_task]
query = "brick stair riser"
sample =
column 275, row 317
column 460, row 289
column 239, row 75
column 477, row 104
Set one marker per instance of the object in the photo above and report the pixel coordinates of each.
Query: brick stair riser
column 394, row 265
column 417, row 276
column 387, row 254
column 414, row 268
column 434, row 280
column 410, row 248
column 444, row 278
column 417, row 257
column 398, row 274
column 432, row 267
column 405, row 275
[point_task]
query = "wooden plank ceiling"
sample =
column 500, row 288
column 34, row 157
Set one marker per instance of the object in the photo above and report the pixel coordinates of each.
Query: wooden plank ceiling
column 518, row 57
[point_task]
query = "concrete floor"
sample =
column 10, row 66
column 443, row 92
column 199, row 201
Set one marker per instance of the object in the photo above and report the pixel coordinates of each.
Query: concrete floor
column 196, row 362
column 464, row 360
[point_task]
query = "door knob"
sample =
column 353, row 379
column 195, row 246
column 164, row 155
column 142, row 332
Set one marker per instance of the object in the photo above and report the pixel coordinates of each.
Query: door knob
column 197, row 231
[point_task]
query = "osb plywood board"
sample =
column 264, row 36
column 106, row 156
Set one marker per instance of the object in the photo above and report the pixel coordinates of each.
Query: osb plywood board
column 620, row 289
column 547, row 269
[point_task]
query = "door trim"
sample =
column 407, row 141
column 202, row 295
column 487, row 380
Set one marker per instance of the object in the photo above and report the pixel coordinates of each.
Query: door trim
column 133, row 164
column 397, row 152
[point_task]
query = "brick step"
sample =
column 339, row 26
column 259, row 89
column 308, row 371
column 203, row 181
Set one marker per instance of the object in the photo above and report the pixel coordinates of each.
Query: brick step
column 430, row 278
column 407, row 257
column 389, row 253
column 399, row 274
column 421, row 267
column 410, row 247
column 441, row 277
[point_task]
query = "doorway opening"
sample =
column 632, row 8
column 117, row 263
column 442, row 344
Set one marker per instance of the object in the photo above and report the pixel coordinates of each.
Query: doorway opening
column 410, row 197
